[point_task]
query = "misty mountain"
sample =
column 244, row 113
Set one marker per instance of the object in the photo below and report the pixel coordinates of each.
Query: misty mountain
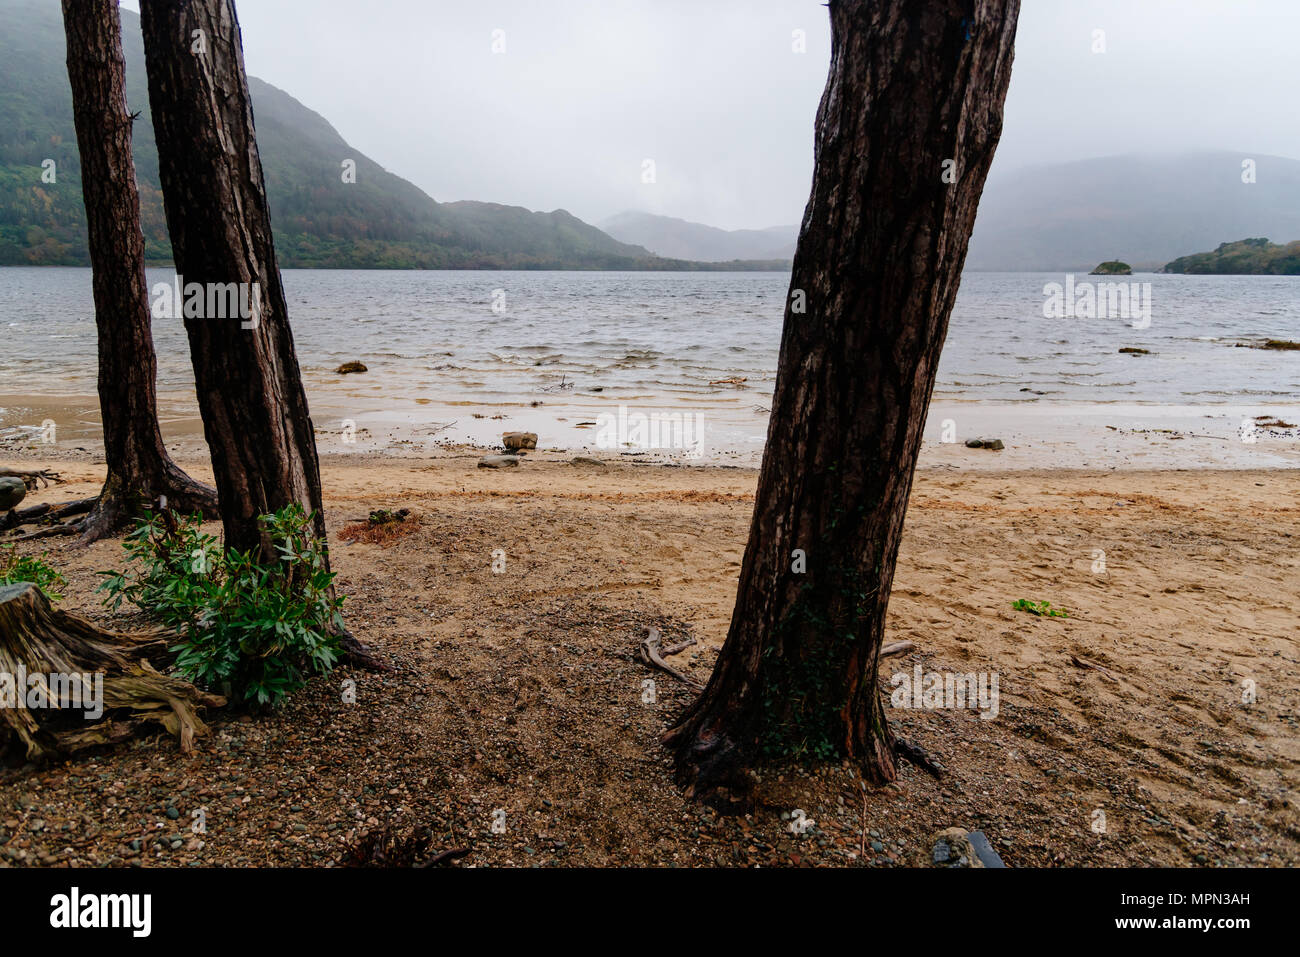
column 381, row 220
column 677, row 238
column 1144, row 210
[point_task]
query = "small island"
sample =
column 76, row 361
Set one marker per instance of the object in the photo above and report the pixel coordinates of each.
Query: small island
column 1113, row 267
column 1245, row 257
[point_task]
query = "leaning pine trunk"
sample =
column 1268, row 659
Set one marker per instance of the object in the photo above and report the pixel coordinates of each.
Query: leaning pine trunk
column 251, row 398
column 905, row 134
column 139, row 468
column 250, row 392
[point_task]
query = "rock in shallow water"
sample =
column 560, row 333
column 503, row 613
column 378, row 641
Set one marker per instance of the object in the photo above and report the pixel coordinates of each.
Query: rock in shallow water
column 519, row 440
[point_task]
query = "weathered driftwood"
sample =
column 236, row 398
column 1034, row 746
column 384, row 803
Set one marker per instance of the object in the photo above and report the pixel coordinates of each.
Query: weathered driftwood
column 31, row 477
column 38, row 640
column 49, row 512
column 651, row 654
column 897, row 648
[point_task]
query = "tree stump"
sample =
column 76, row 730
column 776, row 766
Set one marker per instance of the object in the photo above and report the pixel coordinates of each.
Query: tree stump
column 44, row 654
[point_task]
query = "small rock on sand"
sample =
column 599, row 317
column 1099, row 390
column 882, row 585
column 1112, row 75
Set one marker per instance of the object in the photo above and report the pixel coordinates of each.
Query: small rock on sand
column 952, row 848
column 586, row 460
column 12, row 491
column 519, row 440
column 994, row 444
column 499, row 462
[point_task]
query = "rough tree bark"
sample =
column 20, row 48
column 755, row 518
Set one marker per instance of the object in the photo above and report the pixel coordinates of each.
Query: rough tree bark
column 139, row 468
column 876, row 271
column 250, row 391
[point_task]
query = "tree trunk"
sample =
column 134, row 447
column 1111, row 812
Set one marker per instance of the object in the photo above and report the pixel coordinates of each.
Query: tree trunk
column 876, row 271
column 250, row 391
column 38, row 641
column 139, row 468
column 251, row 397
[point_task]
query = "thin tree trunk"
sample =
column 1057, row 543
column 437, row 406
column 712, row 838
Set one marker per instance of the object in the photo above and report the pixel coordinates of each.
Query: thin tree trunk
column 250, row 391
column 251, row 397
column 139, row 468
column 877, row 267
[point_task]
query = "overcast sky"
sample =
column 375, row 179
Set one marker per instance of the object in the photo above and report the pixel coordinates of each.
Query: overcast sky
column 713, row 92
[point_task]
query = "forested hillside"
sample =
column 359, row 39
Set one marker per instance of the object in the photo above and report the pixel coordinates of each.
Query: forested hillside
column 378, row 221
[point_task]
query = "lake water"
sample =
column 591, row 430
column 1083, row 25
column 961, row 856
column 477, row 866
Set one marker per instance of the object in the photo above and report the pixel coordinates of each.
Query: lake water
column 446, row 346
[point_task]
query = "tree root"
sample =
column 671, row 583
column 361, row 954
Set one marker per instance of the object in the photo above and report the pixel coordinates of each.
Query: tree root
column 55, row 649
column 111, row 509
column 67, row 528
column 923, row 759
column 25, row 516
column 174, row 491
column 361, row 656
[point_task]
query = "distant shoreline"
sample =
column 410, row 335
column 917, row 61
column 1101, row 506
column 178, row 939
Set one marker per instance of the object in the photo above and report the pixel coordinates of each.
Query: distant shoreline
column 738, row 266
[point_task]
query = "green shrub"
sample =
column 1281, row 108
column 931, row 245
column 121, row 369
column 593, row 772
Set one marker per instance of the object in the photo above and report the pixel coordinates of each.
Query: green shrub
column 20, row 568
column 261, row 628
column 1043, row 609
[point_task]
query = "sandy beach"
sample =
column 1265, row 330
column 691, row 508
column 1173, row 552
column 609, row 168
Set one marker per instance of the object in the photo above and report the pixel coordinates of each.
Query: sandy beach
column 1123, row 734
column 1103, row 435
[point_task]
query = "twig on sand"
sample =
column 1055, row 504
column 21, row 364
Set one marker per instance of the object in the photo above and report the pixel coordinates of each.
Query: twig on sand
column 897, row 648
column 450, row 854
column 652, row 654
column 862, row 844
column 437, row 427
column 1085, row 663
